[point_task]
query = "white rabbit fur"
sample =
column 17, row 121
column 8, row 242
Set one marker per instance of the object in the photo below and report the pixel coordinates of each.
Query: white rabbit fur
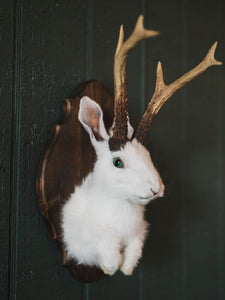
column 103, row 220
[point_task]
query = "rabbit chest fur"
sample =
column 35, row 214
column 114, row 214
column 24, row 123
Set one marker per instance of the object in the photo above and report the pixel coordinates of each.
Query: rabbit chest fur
column 97, row 225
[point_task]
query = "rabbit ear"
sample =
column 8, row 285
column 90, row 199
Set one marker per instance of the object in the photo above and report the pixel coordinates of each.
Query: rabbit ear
column 91, row 117
column 130, row 130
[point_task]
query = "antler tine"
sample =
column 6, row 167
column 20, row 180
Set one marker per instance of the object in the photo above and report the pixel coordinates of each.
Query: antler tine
column 163, row 92
column 123, row 50
column 120, row 90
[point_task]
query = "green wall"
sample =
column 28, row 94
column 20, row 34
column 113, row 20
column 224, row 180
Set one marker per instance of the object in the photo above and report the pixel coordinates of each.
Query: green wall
column 47, row 48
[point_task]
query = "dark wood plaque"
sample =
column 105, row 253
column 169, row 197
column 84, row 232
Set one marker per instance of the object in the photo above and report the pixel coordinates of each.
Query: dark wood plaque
column 68, row 157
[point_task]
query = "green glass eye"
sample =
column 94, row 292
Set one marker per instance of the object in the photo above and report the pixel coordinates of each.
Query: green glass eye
column 118, row 162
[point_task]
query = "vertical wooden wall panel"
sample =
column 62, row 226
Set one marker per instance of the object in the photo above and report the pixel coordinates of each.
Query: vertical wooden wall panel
column 162, row 262
column 201, row 169
column 53, row 64
column 191, row 206
column 6, row 124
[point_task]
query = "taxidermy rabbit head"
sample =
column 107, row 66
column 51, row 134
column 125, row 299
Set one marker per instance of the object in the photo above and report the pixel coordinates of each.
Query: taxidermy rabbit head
column 127, row 172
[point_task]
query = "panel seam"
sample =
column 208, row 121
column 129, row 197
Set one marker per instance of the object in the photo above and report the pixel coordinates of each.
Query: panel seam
column 15, row 150
column 184, row 141
column 220, row 165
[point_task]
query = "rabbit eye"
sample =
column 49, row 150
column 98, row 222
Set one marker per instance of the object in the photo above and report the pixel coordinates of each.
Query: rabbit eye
column 118, row 162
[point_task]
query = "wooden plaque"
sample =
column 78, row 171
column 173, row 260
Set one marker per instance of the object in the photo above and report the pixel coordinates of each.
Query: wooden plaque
column 68, row 157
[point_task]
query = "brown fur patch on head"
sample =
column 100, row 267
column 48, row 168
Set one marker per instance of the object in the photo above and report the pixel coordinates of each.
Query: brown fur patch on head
column 115, row 144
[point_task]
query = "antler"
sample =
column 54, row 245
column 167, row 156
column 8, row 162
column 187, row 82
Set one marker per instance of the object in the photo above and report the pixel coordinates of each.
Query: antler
column 163, row 92
column 119, row 137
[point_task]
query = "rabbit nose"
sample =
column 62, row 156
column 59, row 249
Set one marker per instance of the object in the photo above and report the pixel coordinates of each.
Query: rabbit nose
column 153, row 192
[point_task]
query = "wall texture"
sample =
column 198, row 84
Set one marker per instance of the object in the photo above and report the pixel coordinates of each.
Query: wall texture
column 47, row 48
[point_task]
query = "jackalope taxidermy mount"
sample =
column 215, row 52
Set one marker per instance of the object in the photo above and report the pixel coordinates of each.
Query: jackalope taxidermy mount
column 96, row 214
